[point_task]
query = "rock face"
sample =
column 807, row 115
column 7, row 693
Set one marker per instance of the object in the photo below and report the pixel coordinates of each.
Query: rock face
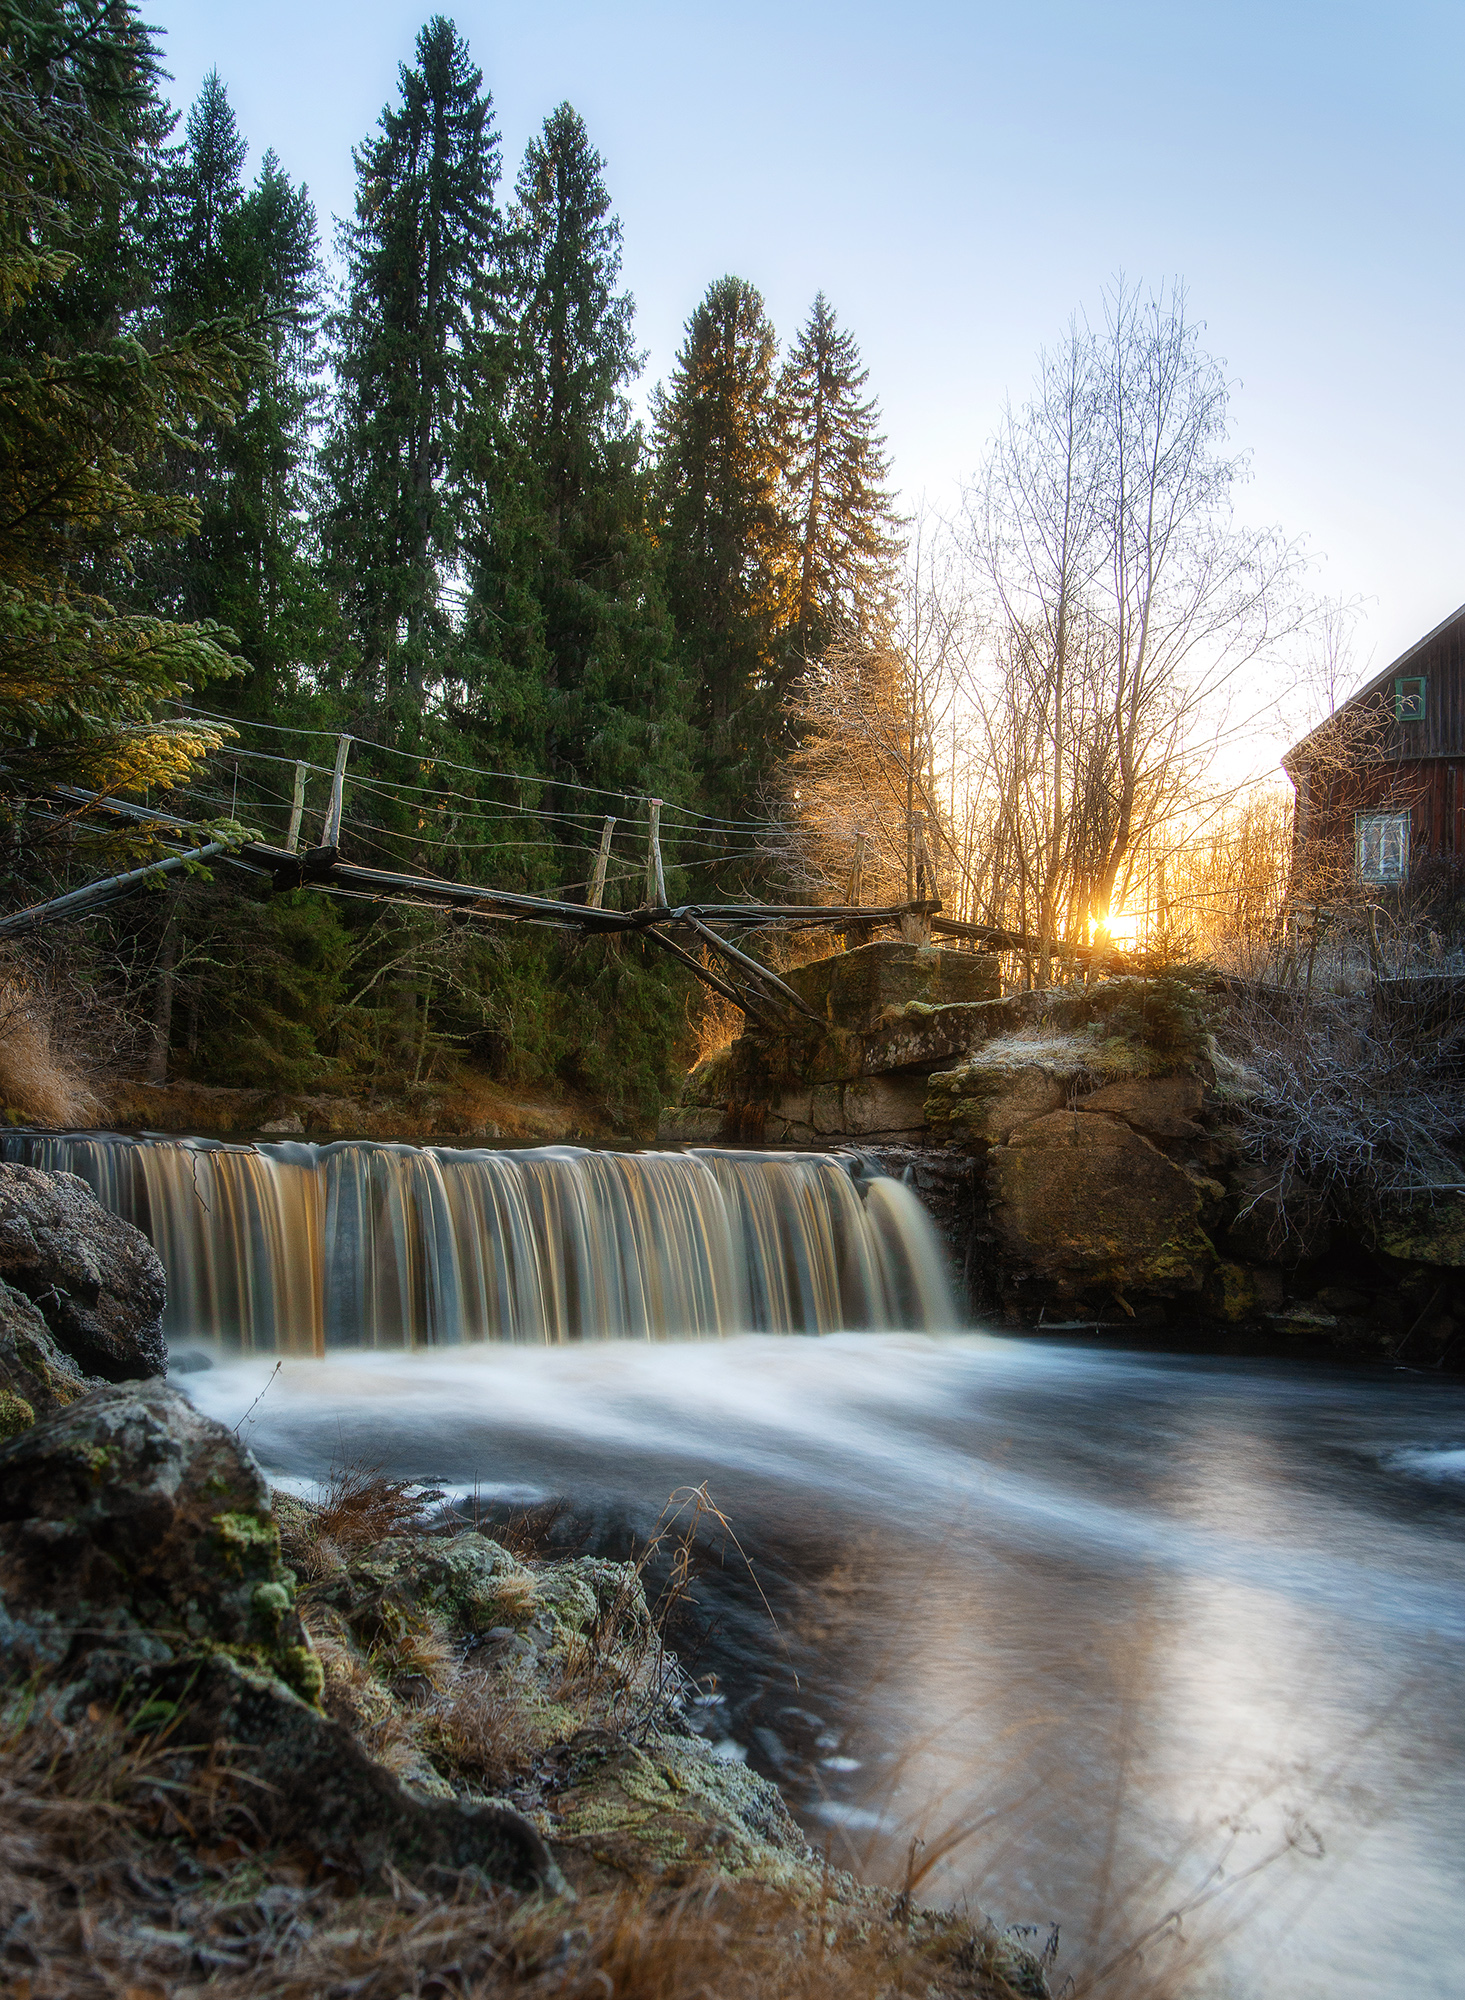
column 36, row 1378
column 1162, row 1107
column 852, row 989
column 320, row 1784
column 96, row 1280
column 133, row 1531
column 1080, row 1201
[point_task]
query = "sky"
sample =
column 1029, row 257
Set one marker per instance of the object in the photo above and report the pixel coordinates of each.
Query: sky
column 960, row 179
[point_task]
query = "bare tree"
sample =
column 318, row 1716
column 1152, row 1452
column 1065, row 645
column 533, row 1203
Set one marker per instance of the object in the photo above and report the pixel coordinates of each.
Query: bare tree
column 1125, row 603
column 868, row 717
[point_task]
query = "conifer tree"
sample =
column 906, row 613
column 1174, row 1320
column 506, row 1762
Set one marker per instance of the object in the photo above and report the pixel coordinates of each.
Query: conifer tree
column 227, row 249
column 728, row 548
column 79, row 680
column 835, row 471
column 422, row 280
column 566, row 520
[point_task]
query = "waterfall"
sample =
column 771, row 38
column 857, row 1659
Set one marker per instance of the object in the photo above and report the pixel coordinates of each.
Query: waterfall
column 293, row 1248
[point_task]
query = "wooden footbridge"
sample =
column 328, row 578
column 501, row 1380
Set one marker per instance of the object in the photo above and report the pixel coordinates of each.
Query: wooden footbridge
column 767, row 1001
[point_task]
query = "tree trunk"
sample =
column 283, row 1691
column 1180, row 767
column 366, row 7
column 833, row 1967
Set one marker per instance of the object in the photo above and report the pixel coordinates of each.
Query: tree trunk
column 157, row 1070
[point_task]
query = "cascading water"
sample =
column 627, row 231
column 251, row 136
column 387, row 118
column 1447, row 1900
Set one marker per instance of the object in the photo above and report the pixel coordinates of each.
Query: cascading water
column 295, row 1248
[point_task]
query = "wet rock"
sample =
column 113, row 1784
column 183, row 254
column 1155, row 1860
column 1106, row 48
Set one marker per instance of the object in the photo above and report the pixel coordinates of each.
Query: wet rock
column 317, row 1784
column 134, row 1531
column 1080, row 1201
column 34, row 1373
column 96, row 1280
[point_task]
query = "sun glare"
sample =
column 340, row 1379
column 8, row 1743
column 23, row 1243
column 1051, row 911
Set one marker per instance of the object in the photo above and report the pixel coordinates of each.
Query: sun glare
column 1123, row 928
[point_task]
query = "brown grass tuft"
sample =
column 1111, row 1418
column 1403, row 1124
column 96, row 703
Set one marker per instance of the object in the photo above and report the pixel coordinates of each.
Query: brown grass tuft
column 38, row 1085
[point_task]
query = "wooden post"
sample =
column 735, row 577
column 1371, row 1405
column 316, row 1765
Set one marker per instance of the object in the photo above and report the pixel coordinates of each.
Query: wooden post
column 597, row 881
column 915, row 927
column 331, row 836
column 297, row 807
column 655, row 880
column 858, row 932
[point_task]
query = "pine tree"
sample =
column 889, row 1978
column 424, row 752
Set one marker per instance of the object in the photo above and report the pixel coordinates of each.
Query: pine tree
column 835, row 472
column 422, row 262
column 728, row 548
column 609, row 707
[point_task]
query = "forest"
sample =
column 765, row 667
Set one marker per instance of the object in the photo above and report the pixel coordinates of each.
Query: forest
column 262, row 492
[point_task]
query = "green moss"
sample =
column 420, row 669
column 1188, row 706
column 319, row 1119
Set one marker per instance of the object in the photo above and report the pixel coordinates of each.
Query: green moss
column 301, row 1671
column 245, row 1541
column 16, row 1414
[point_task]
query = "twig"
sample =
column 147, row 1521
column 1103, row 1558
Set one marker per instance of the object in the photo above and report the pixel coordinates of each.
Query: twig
column 258, row 1399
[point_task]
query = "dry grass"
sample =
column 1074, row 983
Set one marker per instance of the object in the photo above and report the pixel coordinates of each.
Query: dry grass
column 131, row 1868
column 358, row 1508
column 39, row 1083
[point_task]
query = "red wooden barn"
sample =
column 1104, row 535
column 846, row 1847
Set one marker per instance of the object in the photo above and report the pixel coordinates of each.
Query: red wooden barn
column 1381, row 784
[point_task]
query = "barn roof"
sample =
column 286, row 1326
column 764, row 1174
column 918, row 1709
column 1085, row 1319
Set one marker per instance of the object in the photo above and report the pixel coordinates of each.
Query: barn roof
column 1379, row 680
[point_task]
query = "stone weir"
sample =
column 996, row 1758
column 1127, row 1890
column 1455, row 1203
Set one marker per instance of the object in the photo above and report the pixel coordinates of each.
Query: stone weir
column 1076, row 1146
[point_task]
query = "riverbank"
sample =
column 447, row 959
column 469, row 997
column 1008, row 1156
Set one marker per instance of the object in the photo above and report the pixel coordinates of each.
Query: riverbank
column 253, row 1743
column 305, row 1748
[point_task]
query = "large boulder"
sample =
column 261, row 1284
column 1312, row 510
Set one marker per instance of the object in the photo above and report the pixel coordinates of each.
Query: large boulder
column 36, row 1378
column 1082, row 1203
column 1162, row 1107
column 135, row 1531
column 96, row 1280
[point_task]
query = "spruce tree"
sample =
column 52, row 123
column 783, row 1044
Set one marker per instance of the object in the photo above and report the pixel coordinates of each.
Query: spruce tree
column 422, row 281
column 564, row 528
column 835, row 470
column 728, row 548
column 80, row 680
column 224, row 248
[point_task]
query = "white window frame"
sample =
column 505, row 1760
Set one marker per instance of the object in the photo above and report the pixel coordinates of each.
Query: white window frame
column 1381, row 846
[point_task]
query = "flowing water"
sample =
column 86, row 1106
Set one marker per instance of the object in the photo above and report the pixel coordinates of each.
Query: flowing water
column 295, row 1248
column 1092, row 1624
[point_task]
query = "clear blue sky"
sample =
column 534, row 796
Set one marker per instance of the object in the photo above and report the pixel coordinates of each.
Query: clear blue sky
column 959, row 178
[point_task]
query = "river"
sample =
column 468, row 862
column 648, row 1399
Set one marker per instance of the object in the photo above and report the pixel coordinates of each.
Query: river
column 1091, row 1624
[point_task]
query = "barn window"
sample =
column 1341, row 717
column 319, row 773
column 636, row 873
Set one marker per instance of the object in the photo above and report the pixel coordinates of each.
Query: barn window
column 1409, row 699
column 1383, row 846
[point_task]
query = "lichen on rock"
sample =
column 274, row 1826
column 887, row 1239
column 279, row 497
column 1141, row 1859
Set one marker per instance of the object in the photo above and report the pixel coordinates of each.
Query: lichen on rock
column 96, row 1281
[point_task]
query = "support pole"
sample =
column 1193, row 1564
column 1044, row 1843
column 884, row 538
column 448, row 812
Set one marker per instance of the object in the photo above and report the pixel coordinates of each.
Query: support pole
column 694, row 964
column 916, row 929
column 331, row 835
column 297, row 807
column 97, row 895
column 759, row 972
column 602, row 859
column 655, row 880
column 857, row 934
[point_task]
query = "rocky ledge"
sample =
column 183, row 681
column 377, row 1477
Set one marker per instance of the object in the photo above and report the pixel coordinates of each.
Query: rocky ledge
column 258, row 1745
column 1080, row 1150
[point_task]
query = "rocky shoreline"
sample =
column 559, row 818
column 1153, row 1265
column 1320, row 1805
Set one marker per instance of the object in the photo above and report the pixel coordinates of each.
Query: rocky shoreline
column 258, row 1745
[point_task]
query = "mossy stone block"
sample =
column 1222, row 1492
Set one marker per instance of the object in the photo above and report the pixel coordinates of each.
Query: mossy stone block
column 853, row 989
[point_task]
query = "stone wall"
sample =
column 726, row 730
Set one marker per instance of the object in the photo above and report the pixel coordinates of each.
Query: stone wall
column 1080, row 1157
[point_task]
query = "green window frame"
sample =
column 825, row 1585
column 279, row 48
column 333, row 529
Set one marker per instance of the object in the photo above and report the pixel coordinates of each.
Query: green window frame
column 1409, row 698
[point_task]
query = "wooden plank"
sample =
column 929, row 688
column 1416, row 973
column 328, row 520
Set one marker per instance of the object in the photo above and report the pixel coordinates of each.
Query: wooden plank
column 331, row 835
column 297, row 807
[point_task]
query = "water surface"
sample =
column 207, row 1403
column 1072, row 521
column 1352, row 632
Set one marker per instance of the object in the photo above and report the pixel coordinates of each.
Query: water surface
column 1089, row 1623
